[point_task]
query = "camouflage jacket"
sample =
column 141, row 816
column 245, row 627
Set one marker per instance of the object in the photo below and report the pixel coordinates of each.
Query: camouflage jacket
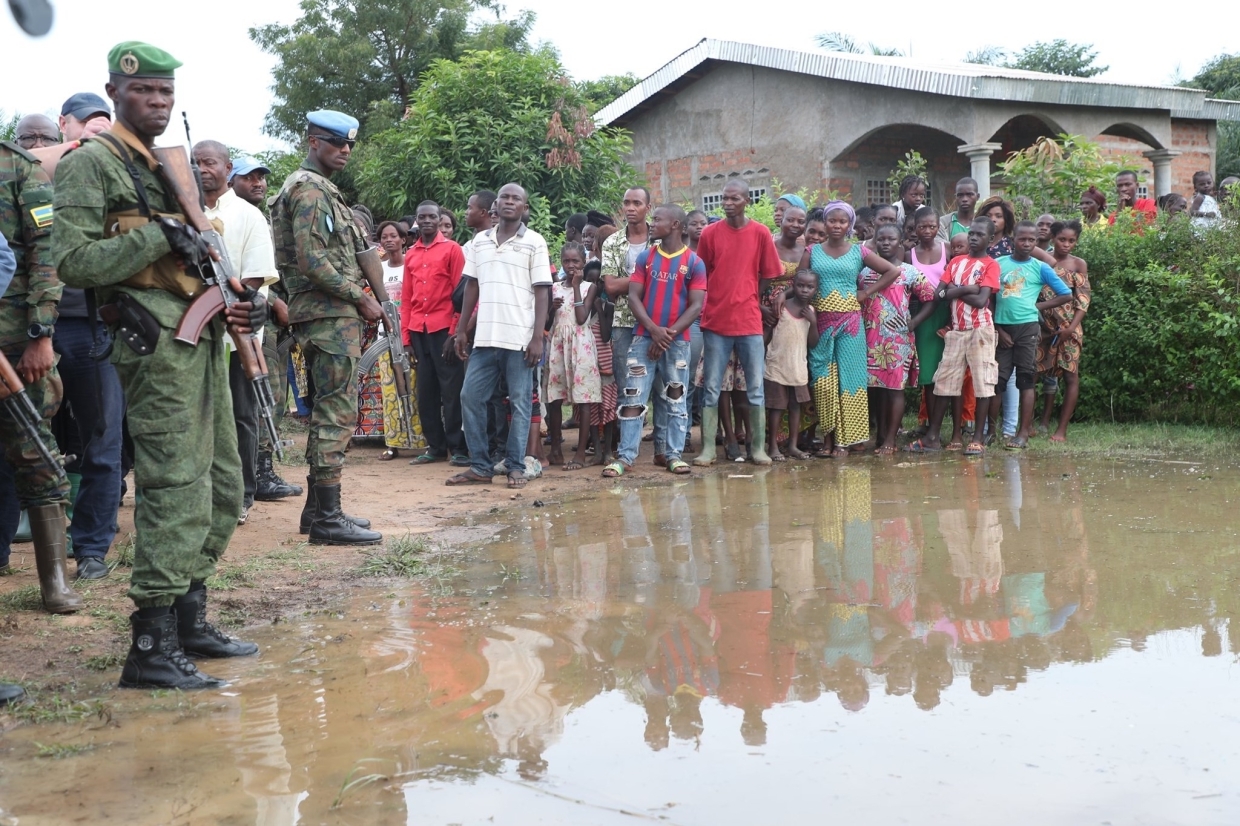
column 26, row 221
column 316, row 247
column 92, row 184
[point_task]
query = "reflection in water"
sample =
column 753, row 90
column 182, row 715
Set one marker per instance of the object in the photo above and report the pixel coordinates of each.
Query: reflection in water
column 710, row 611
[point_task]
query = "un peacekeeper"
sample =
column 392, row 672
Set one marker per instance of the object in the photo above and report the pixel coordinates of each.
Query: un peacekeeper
column 27, row 321
column 128, row 244
column 317, row 244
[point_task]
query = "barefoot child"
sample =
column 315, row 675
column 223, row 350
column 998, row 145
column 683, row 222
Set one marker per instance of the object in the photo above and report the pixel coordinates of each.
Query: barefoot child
column 892, row 359
column 787, row 368
column 666, row 292
column 1059, row 352
column 967, row 283
column 572, row 360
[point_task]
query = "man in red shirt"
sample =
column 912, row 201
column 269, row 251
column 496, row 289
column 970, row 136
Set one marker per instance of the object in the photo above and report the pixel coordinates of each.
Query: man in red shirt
column 739, row 255
column 1126, row 187
column 433, row 268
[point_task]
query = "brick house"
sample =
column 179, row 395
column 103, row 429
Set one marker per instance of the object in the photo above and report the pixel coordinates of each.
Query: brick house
column 841, row 121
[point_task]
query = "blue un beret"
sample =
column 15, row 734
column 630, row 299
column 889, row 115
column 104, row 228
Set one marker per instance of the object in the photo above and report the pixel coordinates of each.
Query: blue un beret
column 336, row 123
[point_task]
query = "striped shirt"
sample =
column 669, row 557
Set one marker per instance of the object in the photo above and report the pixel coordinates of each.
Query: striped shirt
column 668, row 280
column 964, row 271
column 507, row 275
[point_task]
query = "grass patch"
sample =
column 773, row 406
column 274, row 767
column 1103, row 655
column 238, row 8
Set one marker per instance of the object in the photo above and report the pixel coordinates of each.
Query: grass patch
column 26, row 598
column 243, row 575
column 410, row 557
column 59, row 751
column 46, row 707
column 104, row 662
column 123, row 553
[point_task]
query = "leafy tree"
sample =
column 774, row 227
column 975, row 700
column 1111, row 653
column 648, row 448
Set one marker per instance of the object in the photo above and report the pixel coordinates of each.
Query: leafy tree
column 1051, row 175
column 365, row 56
column 8, row 125
column 1220, row 78
column 846, row 44
column 911, row 164
column 986, row 56
column 607, row 88
column 485, row 120
column 1058, row 57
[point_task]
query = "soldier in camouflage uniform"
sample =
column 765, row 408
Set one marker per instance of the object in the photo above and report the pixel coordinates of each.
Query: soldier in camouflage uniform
column 128, row 244
column 317, row 243
column 27, row 319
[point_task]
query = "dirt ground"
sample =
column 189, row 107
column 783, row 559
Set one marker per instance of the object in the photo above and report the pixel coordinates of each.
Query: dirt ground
column 269, row 571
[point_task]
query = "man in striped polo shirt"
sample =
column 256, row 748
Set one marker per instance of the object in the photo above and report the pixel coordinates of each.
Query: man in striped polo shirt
column 666, row 293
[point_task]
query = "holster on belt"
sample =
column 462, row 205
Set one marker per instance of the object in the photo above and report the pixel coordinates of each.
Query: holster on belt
column 134, row 324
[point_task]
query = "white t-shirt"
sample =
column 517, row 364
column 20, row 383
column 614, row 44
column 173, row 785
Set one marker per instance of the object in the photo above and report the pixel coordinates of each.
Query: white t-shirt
column 247, row 238
column 393, row 277
column 507, row 275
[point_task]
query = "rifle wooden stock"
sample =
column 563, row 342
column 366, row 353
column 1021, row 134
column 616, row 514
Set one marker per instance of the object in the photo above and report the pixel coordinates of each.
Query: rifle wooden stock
column 10, row 382
column 49, row 156
column 372, row 271
column 16, row 402
column 179, row 177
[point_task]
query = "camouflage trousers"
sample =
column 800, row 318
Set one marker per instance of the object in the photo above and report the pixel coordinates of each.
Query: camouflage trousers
column 186, row 466
column 332, row 347
column 277, row 375
column 35, row 483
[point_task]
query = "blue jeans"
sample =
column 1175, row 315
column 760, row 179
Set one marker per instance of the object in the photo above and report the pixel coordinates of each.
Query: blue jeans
column 483, row 371
column 751, row 354
column 694, row 397
column 641, row 371
column 1011, row 406
column 621, row 341
column 98, row 416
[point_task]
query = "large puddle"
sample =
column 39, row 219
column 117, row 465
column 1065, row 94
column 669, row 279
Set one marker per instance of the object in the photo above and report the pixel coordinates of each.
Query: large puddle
column 1008, row 641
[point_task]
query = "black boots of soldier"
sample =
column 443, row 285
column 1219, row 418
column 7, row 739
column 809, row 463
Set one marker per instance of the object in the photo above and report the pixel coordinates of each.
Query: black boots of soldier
column 164, row 640
column 200, row 638
column 328, row 523
column 268, row 485
column 47, row 529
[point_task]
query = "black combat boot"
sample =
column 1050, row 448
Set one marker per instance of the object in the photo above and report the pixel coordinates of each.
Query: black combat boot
column 268, row 485
column 200, row 638
column 331, row 527
column 307, row 511
column 47, row 527
column 156, row 660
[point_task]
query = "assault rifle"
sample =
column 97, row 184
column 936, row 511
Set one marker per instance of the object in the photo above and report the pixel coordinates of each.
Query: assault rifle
column 180, row 173
column 16, row 402
column 372, row 271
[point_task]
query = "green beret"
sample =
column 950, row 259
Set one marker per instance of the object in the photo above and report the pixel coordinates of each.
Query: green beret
column 136, row 59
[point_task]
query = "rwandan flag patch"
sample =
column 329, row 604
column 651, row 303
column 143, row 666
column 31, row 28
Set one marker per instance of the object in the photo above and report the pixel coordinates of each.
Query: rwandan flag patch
column 42, row 215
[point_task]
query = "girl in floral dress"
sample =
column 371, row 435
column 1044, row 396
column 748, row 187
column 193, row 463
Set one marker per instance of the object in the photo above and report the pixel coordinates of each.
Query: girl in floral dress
column 892, row 357
column 572, row 355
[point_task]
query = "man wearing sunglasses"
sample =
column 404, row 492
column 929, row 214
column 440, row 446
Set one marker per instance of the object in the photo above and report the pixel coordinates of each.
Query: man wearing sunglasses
column 317, row 244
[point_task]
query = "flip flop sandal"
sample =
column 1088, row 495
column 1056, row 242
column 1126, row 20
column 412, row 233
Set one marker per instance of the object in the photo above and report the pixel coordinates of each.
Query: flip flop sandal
column 919, row 446
column 975, row 449
column 1016, row 443
column 517, row 479
column 954, row 446
column 467, row 478
column 614, row 470
column 426, row 459
column 460, row 460
column 679, row 467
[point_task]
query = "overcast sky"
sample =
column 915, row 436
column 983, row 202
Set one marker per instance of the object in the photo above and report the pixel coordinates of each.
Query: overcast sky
column 225, row 82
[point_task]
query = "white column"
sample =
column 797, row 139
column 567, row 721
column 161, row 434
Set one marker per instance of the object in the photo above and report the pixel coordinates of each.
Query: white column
column 1161, row 158
column 979, row 164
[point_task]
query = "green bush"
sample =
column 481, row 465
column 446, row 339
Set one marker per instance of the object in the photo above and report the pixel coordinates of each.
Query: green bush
column 1161, row 333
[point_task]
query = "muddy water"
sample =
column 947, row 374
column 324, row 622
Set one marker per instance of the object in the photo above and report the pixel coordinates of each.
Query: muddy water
column 1032, row 640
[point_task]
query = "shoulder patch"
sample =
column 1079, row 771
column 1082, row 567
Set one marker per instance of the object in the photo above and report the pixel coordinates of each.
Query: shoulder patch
column 42, row 216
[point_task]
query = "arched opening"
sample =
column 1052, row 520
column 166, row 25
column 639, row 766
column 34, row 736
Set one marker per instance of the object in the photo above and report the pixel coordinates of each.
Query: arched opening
column 861, row 170
column 1134, row 133
column 1022, row 132
column 1126, row 143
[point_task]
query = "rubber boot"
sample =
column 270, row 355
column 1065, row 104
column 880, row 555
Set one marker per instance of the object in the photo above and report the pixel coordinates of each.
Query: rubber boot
column 307, row 511
column 331, row 527
column 75, row 483
column 710, row 423
column 11, row 693
column 47, row 527
column 757, row 436
column 23, row 528
column 200, row 638
column 156, row 660
column 269, row 487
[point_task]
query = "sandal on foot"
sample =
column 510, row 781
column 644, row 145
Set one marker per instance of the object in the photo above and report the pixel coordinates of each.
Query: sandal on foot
column 919, row 446
column 954, row 446
column 885, row 450
column 467, row 478
column 1016, row 443
column 517, row 479
column 614, row 470
column 679, row 467
column 975, row 449
column 572, row 464
column 426, row 459
column 388, row 455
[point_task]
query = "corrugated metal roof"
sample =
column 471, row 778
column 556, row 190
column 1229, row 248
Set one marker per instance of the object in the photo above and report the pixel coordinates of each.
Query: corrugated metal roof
column 966, row 80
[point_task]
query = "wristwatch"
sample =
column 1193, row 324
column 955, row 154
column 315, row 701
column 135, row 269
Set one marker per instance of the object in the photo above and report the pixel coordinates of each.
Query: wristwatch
column 37, row 331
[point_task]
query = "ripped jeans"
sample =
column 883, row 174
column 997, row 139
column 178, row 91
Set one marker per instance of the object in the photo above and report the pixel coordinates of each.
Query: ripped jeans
column 640, row 372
